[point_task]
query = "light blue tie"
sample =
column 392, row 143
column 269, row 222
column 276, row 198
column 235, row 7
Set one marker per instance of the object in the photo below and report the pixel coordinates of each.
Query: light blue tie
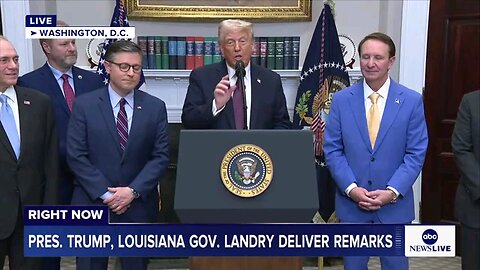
column 8, row 123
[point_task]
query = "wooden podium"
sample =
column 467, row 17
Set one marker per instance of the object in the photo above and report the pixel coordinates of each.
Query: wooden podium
column 245, row 263
column 201, row 197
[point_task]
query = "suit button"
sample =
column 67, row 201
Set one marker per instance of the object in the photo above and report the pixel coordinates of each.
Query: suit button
column 372, row 158
column 369, row 182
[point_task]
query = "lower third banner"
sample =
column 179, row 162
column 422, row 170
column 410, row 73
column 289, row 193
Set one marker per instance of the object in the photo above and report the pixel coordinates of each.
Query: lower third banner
column 85, row 231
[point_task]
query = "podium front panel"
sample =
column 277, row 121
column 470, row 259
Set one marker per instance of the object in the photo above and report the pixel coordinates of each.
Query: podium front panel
column 201, row 196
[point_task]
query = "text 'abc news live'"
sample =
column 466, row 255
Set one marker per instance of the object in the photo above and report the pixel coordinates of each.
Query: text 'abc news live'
column 45, row 27
column 86, row 231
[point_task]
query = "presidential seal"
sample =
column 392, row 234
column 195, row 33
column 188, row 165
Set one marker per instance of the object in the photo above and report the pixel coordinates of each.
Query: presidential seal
column 246, row 170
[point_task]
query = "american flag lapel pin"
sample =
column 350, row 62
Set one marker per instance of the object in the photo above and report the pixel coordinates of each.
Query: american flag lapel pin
column 259, row 81
column 26, row 102
column 139, row 107
column 397, row 101
column 79, row 77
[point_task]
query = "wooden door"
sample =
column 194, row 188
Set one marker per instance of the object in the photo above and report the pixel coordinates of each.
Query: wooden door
column 452, row 69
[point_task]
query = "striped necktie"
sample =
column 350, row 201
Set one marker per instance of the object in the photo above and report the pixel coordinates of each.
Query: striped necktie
column 122, row 125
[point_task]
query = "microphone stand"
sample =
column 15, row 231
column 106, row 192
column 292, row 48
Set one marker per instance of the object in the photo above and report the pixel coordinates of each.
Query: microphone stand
column 240, row 73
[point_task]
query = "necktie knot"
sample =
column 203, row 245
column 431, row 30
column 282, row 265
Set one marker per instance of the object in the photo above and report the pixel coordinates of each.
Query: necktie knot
column 65, row 77
column 123, row 102
column 374, row 97
column 3, row 99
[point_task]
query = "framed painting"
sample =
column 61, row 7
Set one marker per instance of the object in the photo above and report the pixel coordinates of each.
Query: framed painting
column 216, row 10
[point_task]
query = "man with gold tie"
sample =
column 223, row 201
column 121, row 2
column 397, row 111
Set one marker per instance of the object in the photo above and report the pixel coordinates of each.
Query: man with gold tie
column 375, row 145
column 28, row 157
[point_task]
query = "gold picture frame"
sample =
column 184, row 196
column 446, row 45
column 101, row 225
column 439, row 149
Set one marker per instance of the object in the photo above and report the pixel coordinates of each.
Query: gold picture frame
column 217, row 10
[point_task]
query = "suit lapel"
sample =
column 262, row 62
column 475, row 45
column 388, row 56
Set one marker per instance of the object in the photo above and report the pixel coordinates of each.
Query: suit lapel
column 78, row 81
column 255, row 95
column 107, row 113
column 6, row 142
column 25, row 116
column 392, row 106
column 56, row 91
column 139, row 117
column 357, row 105
column 222, row 70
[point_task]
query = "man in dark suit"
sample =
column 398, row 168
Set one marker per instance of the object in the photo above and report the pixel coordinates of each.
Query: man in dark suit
column 375, row 145
column 117, row 147
column 62, row 82
column 209, row 100
column 466, row 149
column 28, row 157
column 61, row 57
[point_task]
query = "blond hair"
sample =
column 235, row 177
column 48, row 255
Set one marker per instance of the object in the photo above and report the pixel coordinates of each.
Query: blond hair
column 233, row 24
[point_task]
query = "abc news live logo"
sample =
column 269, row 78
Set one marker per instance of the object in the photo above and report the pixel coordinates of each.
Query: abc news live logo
column 45, row 26
column 430, row 241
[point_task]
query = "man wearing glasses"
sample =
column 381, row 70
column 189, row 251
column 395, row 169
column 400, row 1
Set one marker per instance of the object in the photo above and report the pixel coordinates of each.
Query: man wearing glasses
column 117, row 147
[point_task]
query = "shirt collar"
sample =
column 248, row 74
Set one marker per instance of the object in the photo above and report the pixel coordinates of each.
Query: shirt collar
column 231, row 74
column 115, row 98
column 11, row 94
column 57, row 73
column 383, row 91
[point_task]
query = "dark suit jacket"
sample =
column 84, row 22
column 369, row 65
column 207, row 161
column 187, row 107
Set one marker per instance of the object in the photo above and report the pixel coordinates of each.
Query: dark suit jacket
column 42, row 79
column 269, row 109
column 95, row 156
column 466, row 148
column 33, row 179
column 396, row 159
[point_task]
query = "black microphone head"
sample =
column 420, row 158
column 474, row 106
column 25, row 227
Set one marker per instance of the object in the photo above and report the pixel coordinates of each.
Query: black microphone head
column 240, row 68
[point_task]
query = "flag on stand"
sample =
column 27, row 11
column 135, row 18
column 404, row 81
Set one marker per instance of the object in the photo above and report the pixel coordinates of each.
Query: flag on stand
column 323, row 73
column 119, row 19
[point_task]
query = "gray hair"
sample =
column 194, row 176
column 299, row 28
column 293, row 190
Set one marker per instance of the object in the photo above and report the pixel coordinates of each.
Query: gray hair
column 228, row 25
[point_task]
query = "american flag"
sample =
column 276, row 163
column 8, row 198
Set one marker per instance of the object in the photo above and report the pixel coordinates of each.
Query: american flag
column 119, row 19
column 323, row 73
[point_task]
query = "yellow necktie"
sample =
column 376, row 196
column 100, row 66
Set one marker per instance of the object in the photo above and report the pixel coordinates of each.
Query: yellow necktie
column 373, row 119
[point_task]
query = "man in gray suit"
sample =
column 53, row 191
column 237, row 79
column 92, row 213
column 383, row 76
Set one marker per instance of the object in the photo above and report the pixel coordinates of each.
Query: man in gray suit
column 28, row 157
column 466, row 148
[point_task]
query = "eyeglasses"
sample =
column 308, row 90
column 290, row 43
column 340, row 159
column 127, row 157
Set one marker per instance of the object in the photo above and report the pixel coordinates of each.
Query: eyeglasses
column 126, row 67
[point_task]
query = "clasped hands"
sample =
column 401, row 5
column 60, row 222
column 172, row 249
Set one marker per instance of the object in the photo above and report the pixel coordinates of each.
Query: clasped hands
column 121, row 199
column 371, row 200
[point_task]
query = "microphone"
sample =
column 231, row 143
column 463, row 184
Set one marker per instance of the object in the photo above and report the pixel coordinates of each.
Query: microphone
column 240, row 73
column 240, row 69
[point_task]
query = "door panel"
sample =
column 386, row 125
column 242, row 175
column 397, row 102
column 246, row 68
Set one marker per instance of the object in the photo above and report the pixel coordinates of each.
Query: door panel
column 452, row 69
